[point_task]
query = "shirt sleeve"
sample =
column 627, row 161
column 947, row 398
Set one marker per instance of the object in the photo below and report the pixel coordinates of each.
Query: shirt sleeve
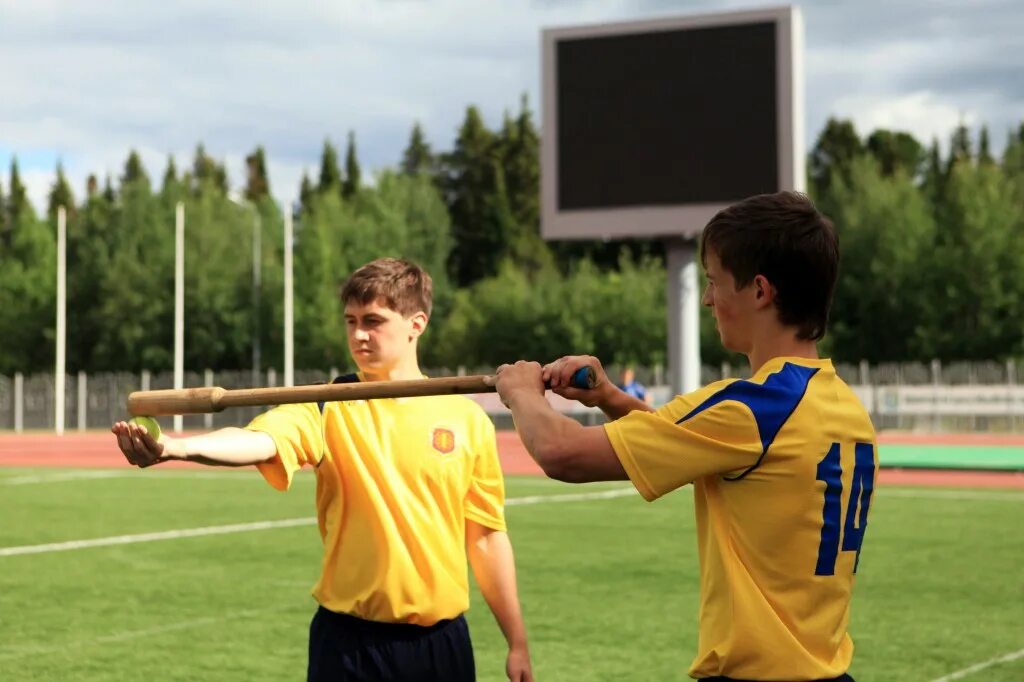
column 660, row 452
column 297, row 431
column 485, row 501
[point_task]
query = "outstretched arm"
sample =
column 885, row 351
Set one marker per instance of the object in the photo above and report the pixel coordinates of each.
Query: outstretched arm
column 225, row 447
column 490, row 555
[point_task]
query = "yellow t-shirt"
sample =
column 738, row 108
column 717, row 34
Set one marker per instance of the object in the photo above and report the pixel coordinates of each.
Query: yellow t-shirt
column 397, row 480
column 783, row 466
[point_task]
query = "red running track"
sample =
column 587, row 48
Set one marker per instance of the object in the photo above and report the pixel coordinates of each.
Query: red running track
column 99, row 449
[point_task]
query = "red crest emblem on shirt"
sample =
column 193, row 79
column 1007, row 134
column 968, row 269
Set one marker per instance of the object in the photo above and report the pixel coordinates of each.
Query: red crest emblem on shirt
column 444, row 440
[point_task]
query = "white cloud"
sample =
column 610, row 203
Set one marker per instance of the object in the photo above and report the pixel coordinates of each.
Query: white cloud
column 87, row 82
column 922, row 113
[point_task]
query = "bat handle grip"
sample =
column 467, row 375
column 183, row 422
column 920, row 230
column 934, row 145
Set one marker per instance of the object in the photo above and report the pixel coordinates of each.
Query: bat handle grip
column 584, row 378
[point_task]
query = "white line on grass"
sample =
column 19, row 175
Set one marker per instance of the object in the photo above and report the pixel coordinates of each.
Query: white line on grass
column 152, row 537
column 58, row 477
column 928, row 494
column 265, row 525
column 960, row 674
column 571, row 497
column 115, row 473
column 37, row 650
column 1001, row 495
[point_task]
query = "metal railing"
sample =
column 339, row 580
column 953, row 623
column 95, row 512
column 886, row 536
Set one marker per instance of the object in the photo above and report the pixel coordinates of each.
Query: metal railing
column 962, row 396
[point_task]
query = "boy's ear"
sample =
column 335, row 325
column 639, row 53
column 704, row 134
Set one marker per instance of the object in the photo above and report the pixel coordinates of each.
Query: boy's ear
column 419, row 323
column 764, row 292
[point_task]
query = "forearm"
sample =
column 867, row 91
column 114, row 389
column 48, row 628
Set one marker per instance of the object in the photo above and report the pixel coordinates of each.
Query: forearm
column 490, row 555
column 543, row 430
column 618, row 403
column 233, row 447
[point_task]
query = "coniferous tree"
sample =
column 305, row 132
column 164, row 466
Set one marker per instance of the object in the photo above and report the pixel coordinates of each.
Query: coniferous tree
column 896, row 151
column 170, row 175
column 417, row 157
column 321, row 259
column 203, row 167
column 27, row 284
column 959, row 148
column 14, row 206
column 499, row 216
column 172, row 188
column 17, row 199
column 1013, row 163
column 520, row 150
column 89, row 253
column 257, row 183
column 984, row 154
column 887, row 234
column 934, row 175
column 61, row 195
column 330, row 175
column 306, row 193
column 468, row 180
column 108, row 190
column 978, row 266
column 221, row 179
column 426, row 227
column 220, row 307
column 1013, row 154
column 5, row 228
column 90, row 248
column 836, row 148
column 207, row 174
column 135, row 277
column 352, row 173
column 134, row 170
column 950, row 232
column 3, row 217
column 521, row 143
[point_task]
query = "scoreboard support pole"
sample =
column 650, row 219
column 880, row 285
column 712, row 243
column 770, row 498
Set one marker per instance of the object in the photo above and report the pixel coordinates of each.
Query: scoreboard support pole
column 683, row 296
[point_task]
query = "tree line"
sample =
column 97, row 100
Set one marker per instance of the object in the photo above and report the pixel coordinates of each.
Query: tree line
column 931, row 266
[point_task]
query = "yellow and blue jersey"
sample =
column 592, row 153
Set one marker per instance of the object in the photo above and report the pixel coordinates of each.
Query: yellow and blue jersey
column 397, row 479
column 783, row 466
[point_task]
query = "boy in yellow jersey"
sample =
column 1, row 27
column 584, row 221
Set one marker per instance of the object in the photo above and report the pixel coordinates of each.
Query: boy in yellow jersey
column 406, row 488
column 783, row 464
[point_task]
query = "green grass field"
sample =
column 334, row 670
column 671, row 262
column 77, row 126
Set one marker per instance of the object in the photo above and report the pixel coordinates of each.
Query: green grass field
column 609, row 586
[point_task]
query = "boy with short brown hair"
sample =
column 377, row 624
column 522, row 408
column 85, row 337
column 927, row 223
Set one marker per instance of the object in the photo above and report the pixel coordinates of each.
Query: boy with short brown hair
column 407, row 489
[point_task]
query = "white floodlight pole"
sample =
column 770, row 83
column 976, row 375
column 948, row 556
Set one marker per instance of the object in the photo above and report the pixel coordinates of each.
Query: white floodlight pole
column 179, row 304
column 289, row 339
column 62, row 244
column 257, row 284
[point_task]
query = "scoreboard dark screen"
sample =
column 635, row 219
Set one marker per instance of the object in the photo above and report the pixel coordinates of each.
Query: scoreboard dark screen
column 667, row 118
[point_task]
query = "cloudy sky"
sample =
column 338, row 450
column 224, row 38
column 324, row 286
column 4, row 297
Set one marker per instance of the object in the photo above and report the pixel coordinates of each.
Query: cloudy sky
column 85, row 82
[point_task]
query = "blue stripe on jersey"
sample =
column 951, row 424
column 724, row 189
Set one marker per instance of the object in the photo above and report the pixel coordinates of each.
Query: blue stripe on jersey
column 771, row 403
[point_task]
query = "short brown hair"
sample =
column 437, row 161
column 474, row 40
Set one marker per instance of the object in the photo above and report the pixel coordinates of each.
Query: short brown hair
column 784, row 238
column 404, row 286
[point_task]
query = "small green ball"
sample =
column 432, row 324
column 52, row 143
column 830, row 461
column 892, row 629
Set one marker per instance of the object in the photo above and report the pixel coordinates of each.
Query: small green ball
column 152, row 427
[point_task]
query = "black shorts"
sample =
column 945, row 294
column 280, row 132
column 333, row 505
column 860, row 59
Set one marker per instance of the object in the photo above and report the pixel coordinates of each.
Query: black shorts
column 841, row 678
column 344, row 648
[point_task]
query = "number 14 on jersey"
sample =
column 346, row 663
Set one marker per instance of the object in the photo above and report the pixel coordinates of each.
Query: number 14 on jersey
column 830, row 471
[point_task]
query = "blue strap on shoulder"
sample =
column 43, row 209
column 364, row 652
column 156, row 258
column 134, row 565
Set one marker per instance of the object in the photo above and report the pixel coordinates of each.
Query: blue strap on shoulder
column 343, row 379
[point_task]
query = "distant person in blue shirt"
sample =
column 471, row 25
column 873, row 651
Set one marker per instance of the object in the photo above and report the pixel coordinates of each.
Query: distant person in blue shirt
column 632, row 387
